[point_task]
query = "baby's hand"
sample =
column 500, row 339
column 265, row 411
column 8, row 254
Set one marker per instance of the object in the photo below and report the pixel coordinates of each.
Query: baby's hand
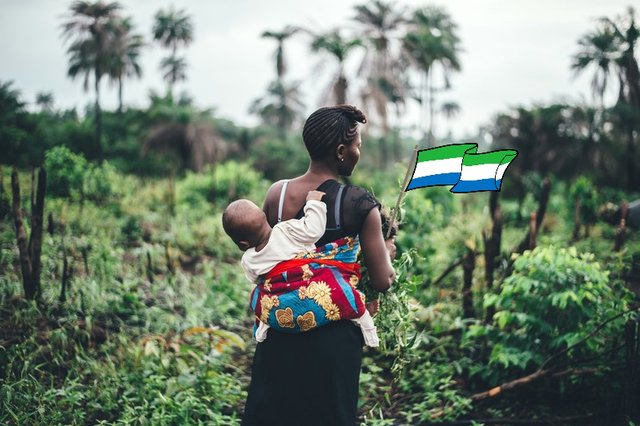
column 315, row 195
column 373, row 306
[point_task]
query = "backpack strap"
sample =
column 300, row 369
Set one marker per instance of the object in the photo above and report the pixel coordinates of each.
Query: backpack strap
column 338, row 206
column 281, row 202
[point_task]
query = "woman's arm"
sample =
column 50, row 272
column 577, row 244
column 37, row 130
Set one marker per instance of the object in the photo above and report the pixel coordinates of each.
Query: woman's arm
column 377, row 253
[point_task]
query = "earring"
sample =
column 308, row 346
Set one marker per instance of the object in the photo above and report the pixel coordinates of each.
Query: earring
column 342, row 159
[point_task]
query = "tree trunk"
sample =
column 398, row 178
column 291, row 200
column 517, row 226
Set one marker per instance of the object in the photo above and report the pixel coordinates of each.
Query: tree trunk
column 37, row 222
column 432, row 141
column 492, row 249
column 120, row 94
column 98, row 118
column 632, row 185
column 29, row 248
column 341, row 90
column 468, row 266
column 21, row 237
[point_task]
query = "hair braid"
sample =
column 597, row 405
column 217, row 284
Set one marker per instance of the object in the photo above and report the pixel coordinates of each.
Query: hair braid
column 328, row 127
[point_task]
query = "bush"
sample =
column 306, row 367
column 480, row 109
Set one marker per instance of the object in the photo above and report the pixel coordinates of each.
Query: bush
column 220, row 185
column 553, row 299
column 70, row 175
column 65, row 171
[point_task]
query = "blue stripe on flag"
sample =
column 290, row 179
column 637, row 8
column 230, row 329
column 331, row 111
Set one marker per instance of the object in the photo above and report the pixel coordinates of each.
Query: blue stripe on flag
column 477, row 185
column 433, row 180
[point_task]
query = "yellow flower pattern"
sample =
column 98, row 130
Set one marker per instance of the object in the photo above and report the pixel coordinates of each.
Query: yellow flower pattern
column 285, row 317
column 306, row 321
column 321, row 293
column 266, row 304
column 267, row 284
column 306, row 272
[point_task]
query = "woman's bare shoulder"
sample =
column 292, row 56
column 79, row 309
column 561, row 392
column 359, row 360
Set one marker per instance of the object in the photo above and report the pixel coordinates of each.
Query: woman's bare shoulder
column 273, row 193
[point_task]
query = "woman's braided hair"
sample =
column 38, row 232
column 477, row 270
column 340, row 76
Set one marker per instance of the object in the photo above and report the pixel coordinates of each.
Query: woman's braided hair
column 328, row 127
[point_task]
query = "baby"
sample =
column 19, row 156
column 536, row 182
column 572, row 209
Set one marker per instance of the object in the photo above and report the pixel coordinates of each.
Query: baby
column 265, row 247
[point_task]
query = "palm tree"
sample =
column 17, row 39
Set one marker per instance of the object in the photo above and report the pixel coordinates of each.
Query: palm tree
column 45, row 101
column 173, row 28
column 125, row 56
column 432, row 40
column 339, row 48
column 281, row 107
column 598, row 49
column 385, row 79
column 612, row 44
column 378, row 23
column 280, row 37
column 91, row 26
column 174, row 70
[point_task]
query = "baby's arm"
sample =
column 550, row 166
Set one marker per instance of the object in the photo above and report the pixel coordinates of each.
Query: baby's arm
column 311, row 227
column 248, row 271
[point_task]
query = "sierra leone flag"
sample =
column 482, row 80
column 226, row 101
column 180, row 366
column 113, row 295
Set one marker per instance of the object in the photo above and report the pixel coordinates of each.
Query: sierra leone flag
column 440, row 166
column 460, row 165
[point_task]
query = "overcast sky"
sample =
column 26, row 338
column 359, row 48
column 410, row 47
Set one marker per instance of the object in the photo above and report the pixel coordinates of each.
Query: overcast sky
column 515, row 52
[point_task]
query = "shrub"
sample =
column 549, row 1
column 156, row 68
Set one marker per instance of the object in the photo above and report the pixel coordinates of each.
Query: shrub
column 220, row 184
column 554, row 298
column 65, row 171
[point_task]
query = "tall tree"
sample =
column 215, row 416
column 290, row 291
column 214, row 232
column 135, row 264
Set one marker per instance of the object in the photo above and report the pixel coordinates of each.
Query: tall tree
column 45, row 101
column 281, row 107
column 379, row 24
column 385, row 80
column 339, row 49
column 432, row 40
column 91, row 26
column 598, row 50
column 612, row 46
column 173, row 28
column 125, row 55
column 174, row 69
column 280, row 37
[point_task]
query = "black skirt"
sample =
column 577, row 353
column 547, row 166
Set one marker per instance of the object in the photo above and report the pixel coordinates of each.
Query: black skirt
column 306, row 379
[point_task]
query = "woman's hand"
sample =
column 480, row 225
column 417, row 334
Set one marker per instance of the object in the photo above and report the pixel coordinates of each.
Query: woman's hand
column 377, row 252
column 391, row 247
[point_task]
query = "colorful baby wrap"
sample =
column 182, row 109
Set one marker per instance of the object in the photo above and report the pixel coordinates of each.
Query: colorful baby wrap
column 307, row 292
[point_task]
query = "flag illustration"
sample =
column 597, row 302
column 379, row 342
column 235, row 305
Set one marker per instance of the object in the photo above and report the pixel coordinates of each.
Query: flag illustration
column 461, row 166
column 439, row 166
column 484, row 172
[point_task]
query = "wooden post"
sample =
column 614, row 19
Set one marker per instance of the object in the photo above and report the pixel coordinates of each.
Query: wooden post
column 405, row 182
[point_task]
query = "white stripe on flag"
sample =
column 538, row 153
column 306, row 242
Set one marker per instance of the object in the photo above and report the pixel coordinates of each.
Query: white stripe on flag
column 502, row 169
column 436, row 167
column 480, row 171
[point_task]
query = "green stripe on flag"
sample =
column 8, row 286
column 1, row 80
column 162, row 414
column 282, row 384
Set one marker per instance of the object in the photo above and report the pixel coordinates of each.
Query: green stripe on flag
column 448, row 151
column 495, row 157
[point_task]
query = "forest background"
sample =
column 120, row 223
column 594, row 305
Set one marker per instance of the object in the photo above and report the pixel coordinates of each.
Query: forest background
column 121, row 298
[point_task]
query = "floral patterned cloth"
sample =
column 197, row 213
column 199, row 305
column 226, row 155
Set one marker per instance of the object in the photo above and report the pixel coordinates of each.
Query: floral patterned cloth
column 300, row 294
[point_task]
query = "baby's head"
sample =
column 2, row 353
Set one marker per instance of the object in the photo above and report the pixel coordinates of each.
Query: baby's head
column 245, row 223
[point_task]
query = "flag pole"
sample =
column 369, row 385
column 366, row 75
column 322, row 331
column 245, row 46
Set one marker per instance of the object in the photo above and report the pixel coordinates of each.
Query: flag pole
column 396, row 209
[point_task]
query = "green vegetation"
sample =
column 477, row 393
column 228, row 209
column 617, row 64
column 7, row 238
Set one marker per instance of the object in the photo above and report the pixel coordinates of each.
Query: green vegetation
column 519, row 305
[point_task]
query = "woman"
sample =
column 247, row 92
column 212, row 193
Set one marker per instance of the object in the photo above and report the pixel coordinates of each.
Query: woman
column 311, row 378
